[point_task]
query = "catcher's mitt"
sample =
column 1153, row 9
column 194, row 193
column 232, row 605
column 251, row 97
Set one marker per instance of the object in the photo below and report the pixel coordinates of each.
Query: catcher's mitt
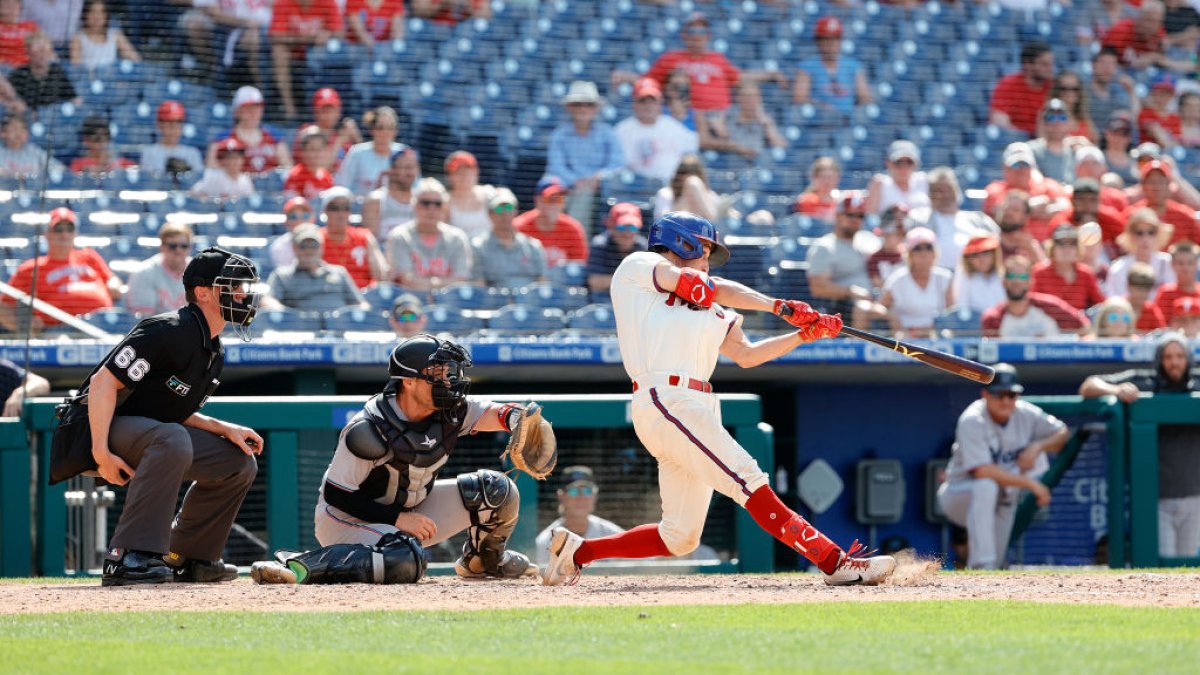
column 532, row 447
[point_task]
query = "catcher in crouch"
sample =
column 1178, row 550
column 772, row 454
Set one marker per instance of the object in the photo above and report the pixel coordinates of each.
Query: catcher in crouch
column 381, row 499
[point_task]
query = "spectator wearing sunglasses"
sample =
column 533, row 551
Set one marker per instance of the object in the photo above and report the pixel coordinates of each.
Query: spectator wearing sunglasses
column 1025, row 314
column 504, row 257
column 1157, row 179
column 609, row 248
column 1141, row 283
column 1054, row 152
column 168, row 155
column 297, row 211
column 837, row 266
column 428, row 252
column 348, row 245
column 157, row 286
column 407, row 316
column 1000, row 448
column 1046, row 196
column 1143, row 241
column 1114, row 319
column 1108, row 89
column 1064, row 275
column 576, row 510
column 98, row 157
column 903, row 184
column 919, row 291
column 310, row 284
column 560, row 234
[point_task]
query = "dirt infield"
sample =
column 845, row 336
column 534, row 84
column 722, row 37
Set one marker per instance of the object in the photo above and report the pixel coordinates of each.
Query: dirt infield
column 912, row 582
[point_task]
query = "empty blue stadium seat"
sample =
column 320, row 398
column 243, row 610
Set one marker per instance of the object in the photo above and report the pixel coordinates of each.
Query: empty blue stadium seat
column 958, row 321
column 357, row 319
column 382, row 295
column 286, row 320
column 566, row 298
column 521, row 320
column 593, row 318
column 456, row 322
column 470, row 296
column 115, row 320
column 569, row 273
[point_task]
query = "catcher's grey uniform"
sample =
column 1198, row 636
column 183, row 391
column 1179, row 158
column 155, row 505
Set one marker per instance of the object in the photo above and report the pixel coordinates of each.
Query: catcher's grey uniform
column 980, row 504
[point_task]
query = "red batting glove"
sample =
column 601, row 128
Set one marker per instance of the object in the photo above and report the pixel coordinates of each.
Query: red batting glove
column 826, row 326
column 796, row 312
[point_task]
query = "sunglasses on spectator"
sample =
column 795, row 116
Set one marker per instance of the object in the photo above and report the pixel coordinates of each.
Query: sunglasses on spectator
column 1055, row 117
column 581, row 491
column 309, row 244
column 504, row 208
column 1005, row 394
column 904, row 161
column 855, row 216
column 625, row 228
column 1145, row 233
column 405, row 315
column 1113, row 317
column 1016, row 276
column 1145, row 285
column 554, row 199
column 921, row 247
column 1069, row 89
column 61, row 228
column 338, row 207
column 178, row 245
column 430, row 203
column 299, row 215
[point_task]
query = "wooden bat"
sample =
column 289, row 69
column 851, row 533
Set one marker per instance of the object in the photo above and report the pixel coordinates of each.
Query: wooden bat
column 955, row 365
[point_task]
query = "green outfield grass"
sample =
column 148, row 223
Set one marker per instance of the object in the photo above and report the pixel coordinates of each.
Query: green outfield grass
column 956, row 637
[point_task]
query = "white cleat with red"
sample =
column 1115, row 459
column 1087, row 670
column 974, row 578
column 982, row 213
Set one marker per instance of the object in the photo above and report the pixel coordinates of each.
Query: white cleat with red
column 859, row 568
column 562, row 568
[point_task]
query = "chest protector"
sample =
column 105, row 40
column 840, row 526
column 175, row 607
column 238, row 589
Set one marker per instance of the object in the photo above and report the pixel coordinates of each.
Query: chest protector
column 418, row 451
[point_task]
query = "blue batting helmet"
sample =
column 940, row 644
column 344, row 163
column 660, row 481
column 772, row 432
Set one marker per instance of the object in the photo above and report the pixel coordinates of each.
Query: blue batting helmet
column 684, row 234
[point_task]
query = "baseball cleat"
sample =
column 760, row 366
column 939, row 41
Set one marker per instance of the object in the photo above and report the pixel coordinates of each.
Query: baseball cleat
column 188, row 570
column 129, row 568
column 512, row 565
column 271, row 572
column 562, row 568
column 859, row 568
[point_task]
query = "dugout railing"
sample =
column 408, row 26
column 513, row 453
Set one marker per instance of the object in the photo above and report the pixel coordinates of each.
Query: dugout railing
column 290, row 475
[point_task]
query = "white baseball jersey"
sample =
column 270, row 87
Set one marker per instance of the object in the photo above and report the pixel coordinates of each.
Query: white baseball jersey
column 657, row 332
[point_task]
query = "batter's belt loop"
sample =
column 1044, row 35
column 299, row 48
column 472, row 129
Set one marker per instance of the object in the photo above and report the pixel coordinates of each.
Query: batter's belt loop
column 680, row 381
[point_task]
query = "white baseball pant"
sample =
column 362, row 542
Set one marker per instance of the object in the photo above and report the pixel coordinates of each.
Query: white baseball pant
column 444, row 506
column 1179, row 527
column 987, row 511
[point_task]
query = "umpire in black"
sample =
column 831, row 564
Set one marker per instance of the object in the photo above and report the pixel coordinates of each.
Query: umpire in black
column 142, row 404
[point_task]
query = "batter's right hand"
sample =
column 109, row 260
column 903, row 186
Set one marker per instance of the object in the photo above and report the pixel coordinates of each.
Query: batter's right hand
column 1040, row 492
column 419, row 526
column 112, row 469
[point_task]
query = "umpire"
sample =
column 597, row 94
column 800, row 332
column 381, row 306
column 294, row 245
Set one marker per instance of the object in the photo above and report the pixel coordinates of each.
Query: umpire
column 141, row 403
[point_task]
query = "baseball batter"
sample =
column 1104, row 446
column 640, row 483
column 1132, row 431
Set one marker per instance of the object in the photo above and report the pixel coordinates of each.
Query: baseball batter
column 381, row 501
column 673, row 321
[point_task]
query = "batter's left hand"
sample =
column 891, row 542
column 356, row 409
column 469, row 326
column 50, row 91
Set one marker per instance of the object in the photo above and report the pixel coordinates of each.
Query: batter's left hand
column 796, row 312
column 245, row 438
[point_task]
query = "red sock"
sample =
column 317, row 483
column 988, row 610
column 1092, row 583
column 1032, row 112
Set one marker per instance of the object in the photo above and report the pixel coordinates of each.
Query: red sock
column 787, row 526
column 642, row 541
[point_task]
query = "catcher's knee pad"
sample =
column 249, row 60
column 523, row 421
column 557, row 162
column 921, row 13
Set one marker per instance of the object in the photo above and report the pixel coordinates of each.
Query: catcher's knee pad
column 396, row 559
column 679, row 541
column 493, row 501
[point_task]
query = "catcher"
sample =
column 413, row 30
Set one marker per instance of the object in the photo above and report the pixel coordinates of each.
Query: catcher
column 381, row 501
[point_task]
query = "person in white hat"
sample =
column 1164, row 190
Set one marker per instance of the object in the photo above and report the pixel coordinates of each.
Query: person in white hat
column 583, row 152
column 903, row 184
column 265, row 148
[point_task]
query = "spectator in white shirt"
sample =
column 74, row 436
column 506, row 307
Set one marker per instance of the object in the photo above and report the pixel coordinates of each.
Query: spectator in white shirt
column 228, row 180
column 653, row 142
column 168, row 155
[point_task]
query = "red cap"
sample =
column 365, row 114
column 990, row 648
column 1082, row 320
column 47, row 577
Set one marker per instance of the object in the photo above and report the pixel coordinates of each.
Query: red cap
column 459, row 160
column 295, row 202
column 171, row 111
column 550, row 185
column 1186, row 306
column 829, row 27
column 625, row 213
column 981, row 244
column 326, row 96
column 228, row 145
column 1156, row 165
column 62, row 213
column 852, row 202
column 647, row 87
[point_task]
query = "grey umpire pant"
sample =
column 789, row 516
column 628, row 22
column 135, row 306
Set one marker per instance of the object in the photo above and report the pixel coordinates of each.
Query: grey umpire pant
column 163, row 455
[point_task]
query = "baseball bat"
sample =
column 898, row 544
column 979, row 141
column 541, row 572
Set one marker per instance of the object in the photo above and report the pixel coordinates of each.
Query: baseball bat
column 955, row 365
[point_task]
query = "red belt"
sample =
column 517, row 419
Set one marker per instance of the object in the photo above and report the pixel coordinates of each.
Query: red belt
column 692, row 383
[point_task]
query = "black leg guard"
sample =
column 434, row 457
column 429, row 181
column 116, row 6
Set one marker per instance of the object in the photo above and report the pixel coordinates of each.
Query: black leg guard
column 397, row 559
column 493, row 501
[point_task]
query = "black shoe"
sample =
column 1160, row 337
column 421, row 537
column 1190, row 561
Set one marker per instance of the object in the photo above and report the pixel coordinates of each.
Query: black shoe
column 192, row 571
column 127, row 568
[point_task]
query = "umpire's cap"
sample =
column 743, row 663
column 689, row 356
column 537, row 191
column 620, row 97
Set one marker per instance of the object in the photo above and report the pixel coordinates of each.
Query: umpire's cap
column 1005, row 381
column 209, row 265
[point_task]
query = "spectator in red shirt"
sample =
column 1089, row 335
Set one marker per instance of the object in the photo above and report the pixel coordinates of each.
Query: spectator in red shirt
column 1046, row 196
column 1018, row 97
column 818, row 198
column 452, row 11
column 1139, row 41
column 1156, row 191
column 1157, row 122
column 265, row 148
column 13, row 32
column 309, row 177
column 560, row 234
column 341, row 133
column 297, row 25
column 1090, row 163
column 1063, row 276
column 76, row 281
column 352, row 247
column 712, row 75
column 98, row 157
column 1183, row 262
column 1185, row 314
column 1012, row 217
column 1086, row 207
column 1026, row 314
column 372, row 21
column 1141, row 281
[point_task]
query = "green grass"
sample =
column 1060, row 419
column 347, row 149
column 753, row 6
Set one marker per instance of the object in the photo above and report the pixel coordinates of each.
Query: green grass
column 953, row 637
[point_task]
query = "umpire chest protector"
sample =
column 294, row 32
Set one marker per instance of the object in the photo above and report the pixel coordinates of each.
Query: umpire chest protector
column 414, row 452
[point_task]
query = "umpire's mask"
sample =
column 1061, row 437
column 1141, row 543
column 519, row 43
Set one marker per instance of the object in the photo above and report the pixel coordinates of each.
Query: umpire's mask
column 234, row 278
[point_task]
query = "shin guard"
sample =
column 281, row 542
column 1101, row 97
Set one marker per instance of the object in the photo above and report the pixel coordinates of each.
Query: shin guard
column 787, row 526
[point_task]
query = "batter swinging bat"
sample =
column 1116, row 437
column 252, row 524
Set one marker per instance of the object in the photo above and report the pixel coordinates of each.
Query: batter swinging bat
column 955, row 365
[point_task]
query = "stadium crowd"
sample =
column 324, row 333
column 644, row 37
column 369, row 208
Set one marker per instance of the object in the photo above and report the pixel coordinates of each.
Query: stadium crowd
column 1011, row 169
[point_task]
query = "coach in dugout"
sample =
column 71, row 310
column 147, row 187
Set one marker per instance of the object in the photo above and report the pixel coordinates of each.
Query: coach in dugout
column 1178, row 465
column 1000, row 449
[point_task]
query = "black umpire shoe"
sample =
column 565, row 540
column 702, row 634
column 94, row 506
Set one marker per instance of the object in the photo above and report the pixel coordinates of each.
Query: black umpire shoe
column 188, row 570
column 127, row 568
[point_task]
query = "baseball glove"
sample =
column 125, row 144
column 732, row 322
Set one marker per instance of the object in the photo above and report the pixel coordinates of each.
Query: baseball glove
column 532, row 447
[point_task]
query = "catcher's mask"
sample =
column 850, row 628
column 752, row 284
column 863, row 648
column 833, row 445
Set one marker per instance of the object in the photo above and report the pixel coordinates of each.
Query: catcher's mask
column 234, row 278
column 420, row 357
